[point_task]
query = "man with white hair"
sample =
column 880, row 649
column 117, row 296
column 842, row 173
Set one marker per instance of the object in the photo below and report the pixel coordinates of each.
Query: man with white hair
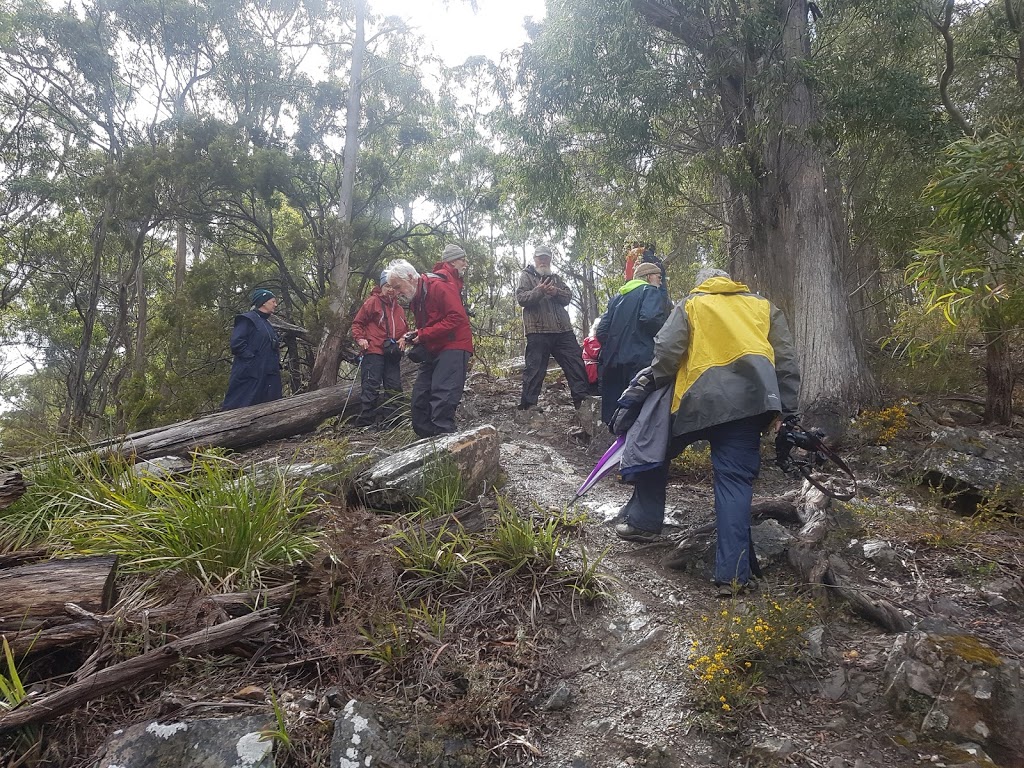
column 544, row 297
column 729, row 357
column 442, row 344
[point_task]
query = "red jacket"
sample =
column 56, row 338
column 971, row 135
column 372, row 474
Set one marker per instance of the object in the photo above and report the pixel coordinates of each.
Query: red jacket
column 378, row 319
column 591, row 353
column 441, row 319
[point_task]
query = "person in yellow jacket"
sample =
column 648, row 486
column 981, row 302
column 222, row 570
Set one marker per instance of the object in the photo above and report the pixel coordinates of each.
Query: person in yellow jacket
column 730, row 359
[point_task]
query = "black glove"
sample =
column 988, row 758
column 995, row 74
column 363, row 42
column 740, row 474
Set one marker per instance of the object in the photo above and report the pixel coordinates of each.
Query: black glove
column 624, row 418
column 639, row 388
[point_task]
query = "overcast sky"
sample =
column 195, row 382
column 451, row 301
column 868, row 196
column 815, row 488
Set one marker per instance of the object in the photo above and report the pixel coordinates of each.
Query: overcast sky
column 456, row 32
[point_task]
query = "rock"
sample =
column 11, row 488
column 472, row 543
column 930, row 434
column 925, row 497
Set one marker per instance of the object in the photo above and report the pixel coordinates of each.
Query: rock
column 961, row 689
column 771, row 541
column 879, row 551
column 971, row 464
column 399, row 479
column 359, row 740
column 161, row 467
column 558, row 700
column 251, row 693
column 1009, row 589
column 231, row 743
column 773, row 748
column 815, row 642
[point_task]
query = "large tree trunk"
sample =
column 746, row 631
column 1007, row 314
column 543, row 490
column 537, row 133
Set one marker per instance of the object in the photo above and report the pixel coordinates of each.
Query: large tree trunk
column 325, row 370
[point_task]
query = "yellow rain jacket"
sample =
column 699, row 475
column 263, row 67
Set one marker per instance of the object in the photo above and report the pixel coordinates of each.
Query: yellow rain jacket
column 730, row 354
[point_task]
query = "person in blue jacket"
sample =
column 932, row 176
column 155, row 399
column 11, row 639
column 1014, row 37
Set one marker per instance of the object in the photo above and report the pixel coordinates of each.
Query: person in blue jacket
column 256, row 372
column 627, row 332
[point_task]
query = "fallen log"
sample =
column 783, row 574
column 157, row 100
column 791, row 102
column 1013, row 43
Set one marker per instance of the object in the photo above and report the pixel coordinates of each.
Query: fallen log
column 181, row 613
column 12, row 488
column 134, row 670
column 40, row 590
column 828, row 574
column 241, row 427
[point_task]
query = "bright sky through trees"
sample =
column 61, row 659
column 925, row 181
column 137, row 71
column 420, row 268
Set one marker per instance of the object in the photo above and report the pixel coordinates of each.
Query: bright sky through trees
column 456, row 31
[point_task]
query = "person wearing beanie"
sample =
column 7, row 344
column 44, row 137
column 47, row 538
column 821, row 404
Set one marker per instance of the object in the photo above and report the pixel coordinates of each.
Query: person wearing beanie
column 441, row 345
column 378, row 326
column 453, row 265
column 728, row 357
column 544, row 297
column 256, row 370
column 626, row 333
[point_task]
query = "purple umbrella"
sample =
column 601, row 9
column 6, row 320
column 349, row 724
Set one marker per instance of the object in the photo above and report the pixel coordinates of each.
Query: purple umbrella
column 607, row 463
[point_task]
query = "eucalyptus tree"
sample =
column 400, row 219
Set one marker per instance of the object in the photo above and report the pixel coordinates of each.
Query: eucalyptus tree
column 716, row 99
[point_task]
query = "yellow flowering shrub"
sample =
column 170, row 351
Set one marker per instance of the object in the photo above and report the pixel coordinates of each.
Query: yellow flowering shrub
column 884, row 426
column 732, row 649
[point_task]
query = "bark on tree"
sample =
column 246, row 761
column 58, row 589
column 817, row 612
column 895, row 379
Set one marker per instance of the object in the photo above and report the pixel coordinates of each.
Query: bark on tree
column 42, row 589
column 325, row 369
column 783, row 238
column 999, row 378
column 12, row 487
column 139, row 668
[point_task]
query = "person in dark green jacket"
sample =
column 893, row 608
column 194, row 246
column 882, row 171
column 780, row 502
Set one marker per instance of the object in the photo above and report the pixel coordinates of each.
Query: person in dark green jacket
column 627, row 331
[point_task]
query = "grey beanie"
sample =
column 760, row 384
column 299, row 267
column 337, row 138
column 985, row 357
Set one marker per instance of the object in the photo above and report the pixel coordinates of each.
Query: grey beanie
column 708, row 272
column 541, row 250
column 452, row 252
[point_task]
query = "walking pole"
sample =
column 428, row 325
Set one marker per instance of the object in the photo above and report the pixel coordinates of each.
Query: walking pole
column 359, row 367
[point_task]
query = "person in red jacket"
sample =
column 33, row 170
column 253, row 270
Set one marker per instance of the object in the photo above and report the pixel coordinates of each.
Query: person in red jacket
column 377, row 328
column 442, row 344
column 592, row 356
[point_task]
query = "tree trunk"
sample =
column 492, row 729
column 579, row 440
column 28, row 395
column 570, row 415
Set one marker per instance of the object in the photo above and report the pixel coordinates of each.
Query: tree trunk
column 12, row 488
column 325, row 370
column 999, row 377
column 40, row 590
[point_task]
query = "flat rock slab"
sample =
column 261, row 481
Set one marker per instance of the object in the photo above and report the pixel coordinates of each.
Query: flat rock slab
column 359, row 741
column 398, row 480
column 229, row 743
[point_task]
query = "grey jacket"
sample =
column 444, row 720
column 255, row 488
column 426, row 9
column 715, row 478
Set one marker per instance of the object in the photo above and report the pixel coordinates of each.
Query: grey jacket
column 543, row 313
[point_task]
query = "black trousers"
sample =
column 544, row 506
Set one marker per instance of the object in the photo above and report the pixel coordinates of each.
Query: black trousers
column 540, row 347
column 381, row 384
column 437, row 392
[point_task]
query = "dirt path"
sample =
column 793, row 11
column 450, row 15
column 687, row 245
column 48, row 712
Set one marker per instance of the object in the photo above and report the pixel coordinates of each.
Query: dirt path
column 620, row 692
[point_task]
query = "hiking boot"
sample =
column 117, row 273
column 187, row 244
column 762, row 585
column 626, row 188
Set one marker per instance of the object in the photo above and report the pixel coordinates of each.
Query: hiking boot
column 735, row 590
column 629, row 533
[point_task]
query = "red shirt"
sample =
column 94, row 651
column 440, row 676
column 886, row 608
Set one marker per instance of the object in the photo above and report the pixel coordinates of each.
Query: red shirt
column 591, row 351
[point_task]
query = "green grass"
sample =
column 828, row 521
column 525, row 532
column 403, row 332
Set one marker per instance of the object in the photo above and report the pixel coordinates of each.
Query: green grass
column 221, row 523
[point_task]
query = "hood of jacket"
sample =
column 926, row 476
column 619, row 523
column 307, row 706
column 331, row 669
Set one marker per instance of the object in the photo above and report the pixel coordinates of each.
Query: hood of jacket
column 721, row 285
column 632, row 285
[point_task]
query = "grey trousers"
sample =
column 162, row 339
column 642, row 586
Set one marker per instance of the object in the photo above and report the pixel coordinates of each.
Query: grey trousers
column 540, row 347
column 437, row 392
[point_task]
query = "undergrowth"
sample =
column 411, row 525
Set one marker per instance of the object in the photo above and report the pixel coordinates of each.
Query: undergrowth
column 223, row 523
column 735, row 648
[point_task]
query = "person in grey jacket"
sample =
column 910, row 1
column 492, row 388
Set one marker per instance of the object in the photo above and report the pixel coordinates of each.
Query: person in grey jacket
column 544, row 297
column 728, row 357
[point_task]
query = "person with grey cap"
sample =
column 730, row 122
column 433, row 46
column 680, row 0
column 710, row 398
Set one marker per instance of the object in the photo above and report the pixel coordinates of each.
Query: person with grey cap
column 256, row 371
column 728, row 356
column 453, row 264
column 626, row 333
column 544, row 297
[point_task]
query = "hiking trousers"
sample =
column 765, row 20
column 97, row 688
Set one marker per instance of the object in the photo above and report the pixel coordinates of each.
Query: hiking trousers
column 540, row 347
column 379, row 371
column 437, row 392
column 736, row 460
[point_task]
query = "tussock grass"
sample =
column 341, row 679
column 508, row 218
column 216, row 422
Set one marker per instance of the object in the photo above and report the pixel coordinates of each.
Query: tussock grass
column 222, row 522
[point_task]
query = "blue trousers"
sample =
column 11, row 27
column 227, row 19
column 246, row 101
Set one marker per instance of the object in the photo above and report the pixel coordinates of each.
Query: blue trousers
column 736, row 460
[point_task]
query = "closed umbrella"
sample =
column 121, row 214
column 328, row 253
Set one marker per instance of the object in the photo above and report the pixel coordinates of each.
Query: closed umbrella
column 607, row 463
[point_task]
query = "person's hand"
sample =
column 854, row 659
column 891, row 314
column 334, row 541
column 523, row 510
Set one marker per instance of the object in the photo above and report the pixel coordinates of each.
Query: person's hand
column 363, row 344
column 550, row 289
